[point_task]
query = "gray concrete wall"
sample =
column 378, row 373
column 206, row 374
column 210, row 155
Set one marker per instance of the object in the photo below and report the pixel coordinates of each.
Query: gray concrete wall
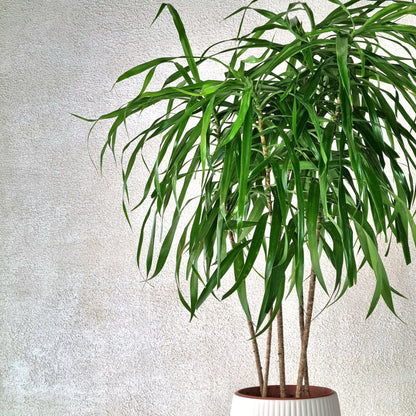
column 80, row 334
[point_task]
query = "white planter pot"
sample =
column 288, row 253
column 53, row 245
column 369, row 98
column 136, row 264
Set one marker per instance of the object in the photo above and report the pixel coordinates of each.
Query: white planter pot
column 323, row 402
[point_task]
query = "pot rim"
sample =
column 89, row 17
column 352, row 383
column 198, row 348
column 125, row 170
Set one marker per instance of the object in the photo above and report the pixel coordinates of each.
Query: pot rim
column 253, row 393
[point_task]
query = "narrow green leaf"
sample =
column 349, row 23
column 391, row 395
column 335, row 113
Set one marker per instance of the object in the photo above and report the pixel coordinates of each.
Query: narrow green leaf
column 206, row 119
column 141, row 237
column 392, row 11
column 342, row 56
column 193, row 286
column 347, row 237
column 226, row 175
column 275, row 234
column 325, row 151
column 337, row 259
column 227, row 262
column 149, row 258
column 166, row 245
column 244, row 165
column 220, row 246
column 253, row 251
column 256, row 212
column 371, row 252
column 312, row 214
column 245, row 105
column 144, row 67
column 182, row 36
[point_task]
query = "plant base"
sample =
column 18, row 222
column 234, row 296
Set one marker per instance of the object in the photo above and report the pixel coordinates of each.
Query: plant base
column 248, row 402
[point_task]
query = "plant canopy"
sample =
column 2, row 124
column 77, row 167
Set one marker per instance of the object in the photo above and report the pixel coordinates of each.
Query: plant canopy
column 303, row 148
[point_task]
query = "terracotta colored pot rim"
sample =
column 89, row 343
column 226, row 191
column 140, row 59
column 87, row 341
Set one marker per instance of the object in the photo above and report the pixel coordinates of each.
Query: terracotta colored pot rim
column 273, row 393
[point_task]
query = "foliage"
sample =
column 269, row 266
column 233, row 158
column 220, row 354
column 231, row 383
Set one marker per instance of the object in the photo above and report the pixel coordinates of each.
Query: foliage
column 302, row 146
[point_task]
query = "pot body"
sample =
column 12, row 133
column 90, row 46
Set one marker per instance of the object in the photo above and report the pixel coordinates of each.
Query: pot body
column 323, row 402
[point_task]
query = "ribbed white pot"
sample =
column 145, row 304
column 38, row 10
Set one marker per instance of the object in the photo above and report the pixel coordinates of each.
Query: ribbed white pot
column 324, row 402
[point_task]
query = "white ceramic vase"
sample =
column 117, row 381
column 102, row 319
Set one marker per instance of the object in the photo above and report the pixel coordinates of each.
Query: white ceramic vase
column 323, row 402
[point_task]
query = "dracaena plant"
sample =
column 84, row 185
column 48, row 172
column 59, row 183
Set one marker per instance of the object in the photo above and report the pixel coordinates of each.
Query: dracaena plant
column 303, row 148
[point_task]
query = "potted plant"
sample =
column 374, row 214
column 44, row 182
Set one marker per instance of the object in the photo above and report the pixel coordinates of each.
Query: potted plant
column 301, row 150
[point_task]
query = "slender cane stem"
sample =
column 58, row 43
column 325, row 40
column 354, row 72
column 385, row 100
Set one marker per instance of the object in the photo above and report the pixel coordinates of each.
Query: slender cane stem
column 302, row 328
column 281, row 353
column 305, row 335
column 256, row 354
column 267, row 361
column 303, row 362
column 252, row 336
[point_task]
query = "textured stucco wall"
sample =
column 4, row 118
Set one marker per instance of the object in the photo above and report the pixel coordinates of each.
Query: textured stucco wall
column 80, row 335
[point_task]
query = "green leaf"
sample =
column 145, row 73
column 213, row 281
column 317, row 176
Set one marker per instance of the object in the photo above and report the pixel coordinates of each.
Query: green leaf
column 227, row 262
column 226, row 175
column 312, row 223
column 141, row 238
column 342, row 56
column 206, row 119
column 336, row 255
column 392, row 11
column 338, row 110
column 143, row 67
column 253, row 251
column 166, row 245
column 245, row 105
column 275, row 235
column 325, row 152
column 275, row 285
column 182, row 36
column 256, row 213
column 298, row 265
column 346, row 232
column 244, row 165
column 149, row 258
column 371, row 253
column 220, row 246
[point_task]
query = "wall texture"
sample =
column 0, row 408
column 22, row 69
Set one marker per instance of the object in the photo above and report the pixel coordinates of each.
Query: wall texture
column 80, row 334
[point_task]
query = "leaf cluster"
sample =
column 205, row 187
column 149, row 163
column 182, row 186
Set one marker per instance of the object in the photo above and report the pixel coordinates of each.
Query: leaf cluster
column 302, row 147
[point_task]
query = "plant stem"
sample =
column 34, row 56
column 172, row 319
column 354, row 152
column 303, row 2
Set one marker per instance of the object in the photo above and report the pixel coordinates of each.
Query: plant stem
column 303, row 362
column 305, row 335
column 252, row 336
column 281, row 353
column 302, row 328
column 267, row 362
column 256, row 355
